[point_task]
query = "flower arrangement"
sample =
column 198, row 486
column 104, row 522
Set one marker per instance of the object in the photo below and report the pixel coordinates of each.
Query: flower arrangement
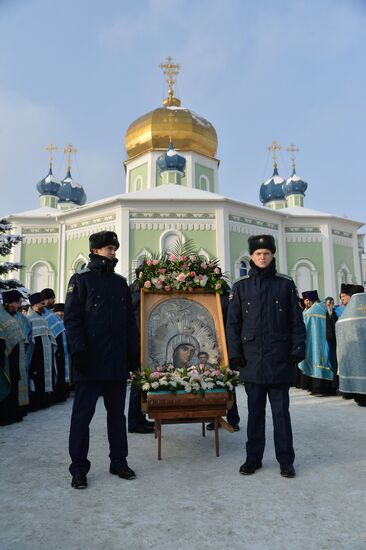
column 181, row 269
column 194, row 379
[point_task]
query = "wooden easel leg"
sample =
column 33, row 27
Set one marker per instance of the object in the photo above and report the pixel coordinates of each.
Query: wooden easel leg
column 203, row 429
column 159, row 439
column 217, row 444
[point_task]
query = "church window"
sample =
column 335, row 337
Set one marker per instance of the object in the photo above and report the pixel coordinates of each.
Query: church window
column 305, row 275
column 243, row 268
column 169, row 240
column 137, row 184
column 204, row 183
column 40, row 276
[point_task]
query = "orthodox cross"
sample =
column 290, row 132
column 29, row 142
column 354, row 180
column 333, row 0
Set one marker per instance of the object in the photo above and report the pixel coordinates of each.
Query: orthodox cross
column 51, row 147
column 362, row 308
column 171, row 70
column 292, row 149
column 69, row 150
column 274, row 147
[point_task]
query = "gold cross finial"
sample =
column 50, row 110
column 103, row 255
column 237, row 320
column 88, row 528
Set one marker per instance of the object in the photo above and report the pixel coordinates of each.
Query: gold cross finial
column 69, row 150
column 51, row 147
column 171, row 70
column 292, row 149
column 274, row 147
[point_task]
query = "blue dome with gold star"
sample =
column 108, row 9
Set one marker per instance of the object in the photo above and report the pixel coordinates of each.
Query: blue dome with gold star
column 272, row 189
column 49, row 185
column 171, row 160
column 294, row 185
column 71, row 191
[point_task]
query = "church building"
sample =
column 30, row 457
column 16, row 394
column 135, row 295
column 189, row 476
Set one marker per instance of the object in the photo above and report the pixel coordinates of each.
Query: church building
column 172, row 191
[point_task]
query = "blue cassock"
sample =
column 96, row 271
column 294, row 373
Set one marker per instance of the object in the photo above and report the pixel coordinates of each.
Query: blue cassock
column 351, row 346
column 317, row 361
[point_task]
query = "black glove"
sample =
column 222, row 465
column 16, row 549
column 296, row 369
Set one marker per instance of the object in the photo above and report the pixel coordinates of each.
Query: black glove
column 294, row 360
column 237, row 363
column 80, row 362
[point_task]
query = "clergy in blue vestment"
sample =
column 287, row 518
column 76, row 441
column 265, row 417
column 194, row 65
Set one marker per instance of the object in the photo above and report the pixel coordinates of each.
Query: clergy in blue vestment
column 317, row 365
column 57, row 327
column 43, row 345
column 24, row 380
column 351, row 347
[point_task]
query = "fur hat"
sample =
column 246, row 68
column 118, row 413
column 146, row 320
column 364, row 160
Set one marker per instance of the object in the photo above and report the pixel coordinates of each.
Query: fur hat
column 58, row 307
column 311, row 295
column 350, row 290
column 35, row 298
column 255, row 242
column 103, row 238
column 10, row 296
column 47, row 293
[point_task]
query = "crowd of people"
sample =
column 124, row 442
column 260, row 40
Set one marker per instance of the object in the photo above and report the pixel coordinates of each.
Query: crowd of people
column 330, row 360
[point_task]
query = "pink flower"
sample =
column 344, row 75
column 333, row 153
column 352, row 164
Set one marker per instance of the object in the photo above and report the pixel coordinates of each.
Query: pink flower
column 163, row 270
column 200, row 277
column 143, row 374
column 147, row 284
column 204, row 265
column 218, row 372
column 207, row 373
column 217, row 270
column 185, row 266
column 148, row 262
column 155, row 375
column 190, row 289
column 167, row 288
column 172, row 258
column 192, row 273
column 155, row 262
column 217, row 286
column 212, row 264
column 183, row 258
column 181, row 277
column 192, row 258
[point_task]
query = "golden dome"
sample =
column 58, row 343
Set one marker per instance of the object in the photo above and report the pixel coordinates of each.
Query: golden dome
column 187, row 131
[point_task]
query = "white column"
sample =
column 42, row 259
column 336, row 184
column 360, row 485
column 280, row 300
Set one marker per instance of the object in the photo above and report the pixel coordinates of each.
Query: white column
column 223, row 239
column 330, row 288
column 61, row 291
column 16, row 251
column 123, row 232
column 189, row 170
column 357, row 260
column 281, row 254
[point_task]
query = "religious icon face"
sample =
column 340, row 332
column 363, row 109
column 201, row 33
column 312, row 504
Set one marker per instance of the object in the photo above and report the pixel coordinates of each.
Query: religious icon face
column 183, row 355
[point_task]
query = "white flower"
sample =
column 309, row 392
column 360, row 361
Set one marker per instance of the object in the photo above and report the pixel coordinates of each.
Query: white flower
column 187, row 388
column 229, row 386
column 204, row 280
column 146, row 386
column 210, row 385
column 219, row 383
column 155, row 385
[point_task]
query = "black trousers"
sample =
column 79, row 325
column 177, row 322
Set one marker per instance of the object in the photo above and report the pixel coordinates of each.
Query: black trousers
column 85, row 400
column 136, row 417
column 278, row 395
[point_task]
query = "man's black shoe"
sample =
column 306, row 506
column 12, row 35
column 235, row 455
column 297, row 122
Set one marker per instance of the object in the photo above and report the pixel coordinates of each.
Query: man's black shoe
column 287, row 470
column 123, row 471
column 235, row 426
column 248, row 468
column 149, row 424
column 211, row 426
column 143, row 429
column 79, row 482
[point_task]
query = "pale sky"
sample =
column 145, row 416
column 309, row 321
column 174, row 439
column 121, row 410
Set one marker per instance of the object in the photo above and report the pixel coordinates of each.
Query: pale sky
column 82, row 71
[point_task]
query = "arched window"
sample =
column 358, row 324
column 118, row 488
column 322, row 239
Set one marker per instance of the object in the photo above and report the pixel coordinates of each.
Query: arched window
column 40, row 275
column 137, row 183
column 242, row 265
column 204, row 183
column 137, row 261
column 169, row 240
column 79, row 263
column 305, row 275
column 344, row 275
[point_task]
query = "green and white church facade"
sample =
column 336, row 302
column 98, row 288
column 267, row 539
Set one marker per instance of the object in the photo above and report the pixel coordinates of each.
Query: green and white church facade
column 172, row 191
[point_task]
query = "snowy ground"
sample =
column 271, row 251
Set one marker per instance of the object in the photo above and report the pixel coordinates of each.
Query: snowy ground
column 190, row 499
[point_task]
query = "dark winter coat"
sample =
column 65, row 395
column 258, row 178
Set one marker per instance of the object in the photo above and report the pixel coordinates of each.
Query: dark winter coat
column 265, row 329
column 99, row 321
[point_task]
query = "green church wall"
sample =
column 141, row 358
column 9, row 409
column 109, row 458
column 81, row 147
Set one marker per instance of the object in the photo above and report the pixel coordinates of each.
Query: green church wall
column 75, row 248
column 139, row 171
column 38, row 252
column 307, row 251
column 201, row 170
column 343, row 255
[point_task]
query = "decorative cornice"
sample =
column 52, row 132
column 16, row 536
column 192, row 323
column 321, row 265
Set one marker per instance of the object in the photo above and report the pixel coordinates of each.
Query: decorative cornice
column 304, row 237
column 342, row 241
column 93, row 221
column 251, row 221
column 302, row 230
column 171, row 215
column 40, row 239
column 86, row 232
column 39, row 230
column 185, row 226
column 344, row 234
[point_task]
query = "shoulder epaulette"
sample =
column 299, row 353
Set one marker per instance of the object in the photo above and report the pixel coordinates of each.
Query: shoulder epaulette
column 83, row 270
column 284, row 276
column 242, row 278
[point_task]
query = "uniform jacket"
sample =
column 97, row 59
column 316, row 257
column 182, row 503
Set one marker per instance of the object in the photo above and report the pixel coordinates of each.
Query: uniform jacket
column 265, row 326
column 99, row 320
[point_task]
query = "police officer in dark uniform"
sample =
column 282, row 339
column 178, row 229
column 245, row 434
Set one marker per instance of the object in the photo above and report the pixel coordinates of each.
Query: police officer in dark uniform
column 266, row 340
column 104, row 348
